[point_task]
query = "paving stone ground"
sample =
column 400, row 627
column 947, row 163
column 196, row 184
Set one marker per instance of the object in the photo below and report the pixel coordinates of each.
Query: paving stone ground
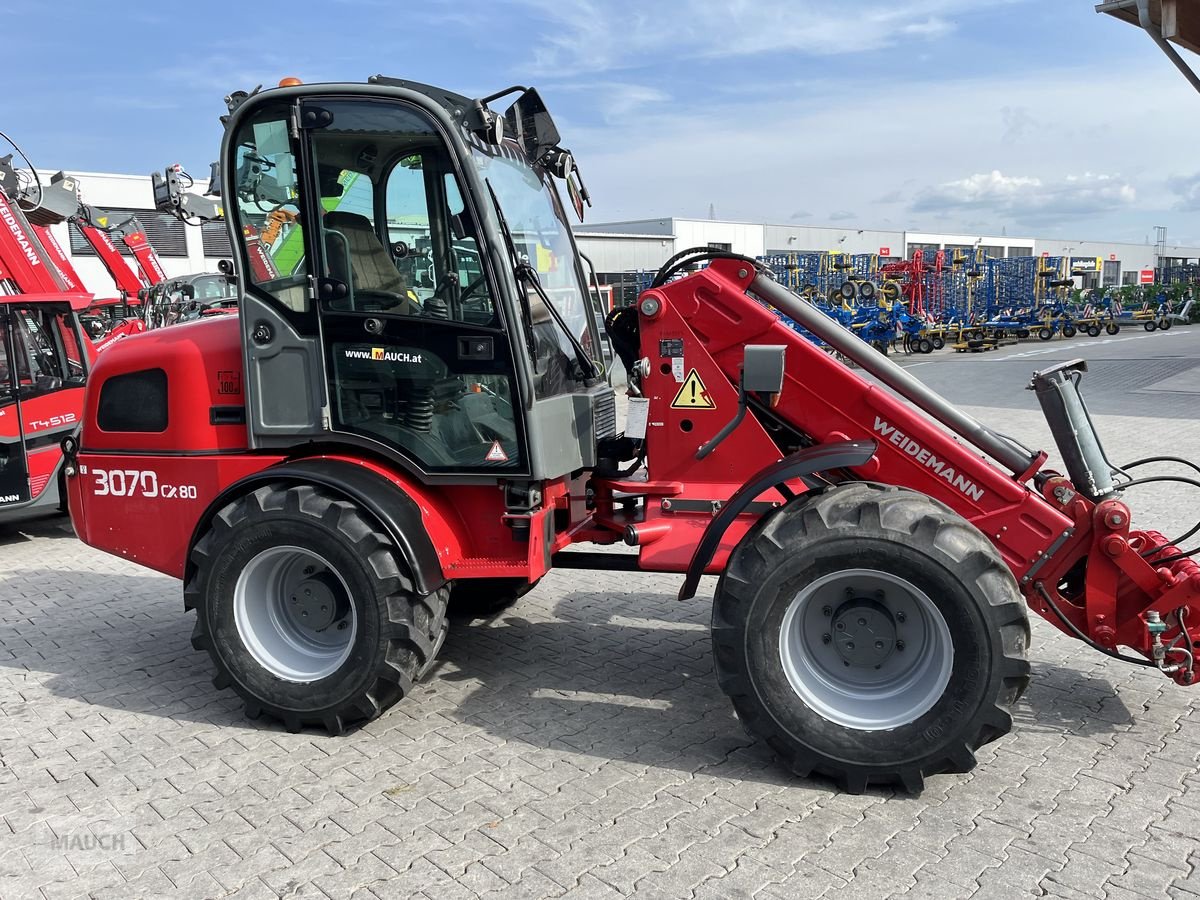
column 575, row 746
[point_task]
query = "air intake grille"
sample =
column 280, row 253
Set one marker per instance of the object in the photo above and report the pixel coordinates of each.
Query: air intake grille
column 604, row 414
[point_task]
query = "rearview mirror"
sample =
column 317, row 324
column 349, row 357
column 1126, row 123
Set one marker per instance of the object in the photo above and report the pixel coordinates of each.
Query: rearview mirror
column 529, row 123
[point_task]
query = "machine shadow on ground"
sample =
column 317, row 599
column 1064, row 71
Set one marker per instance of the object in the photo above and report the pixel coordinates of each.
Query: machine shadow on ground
column 624, row 676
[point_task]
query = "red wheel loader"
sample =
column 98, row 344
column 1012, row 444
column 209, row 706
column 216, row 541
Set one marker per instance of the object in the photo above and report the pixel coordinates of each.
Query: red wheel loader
column 407, row 413
column 44, row 357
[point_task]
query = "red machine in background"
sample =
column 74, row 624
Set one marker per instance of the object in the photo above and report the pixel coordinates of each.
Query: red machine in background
column 44, row 360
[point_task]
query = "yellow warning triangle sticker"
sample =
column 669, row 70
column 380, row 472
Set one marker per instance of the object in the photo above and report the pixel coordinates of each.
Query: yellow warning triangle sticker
column 692, row 394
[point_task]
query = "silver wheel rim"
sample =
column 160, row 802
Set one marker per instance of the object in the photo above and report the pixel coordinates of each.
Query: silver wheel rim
column 280, row 595
column 866, row 649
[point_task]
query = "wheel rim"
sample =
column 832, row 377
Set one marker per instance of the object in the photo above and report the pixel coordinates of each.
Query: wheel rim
column 294, row 615
column 866, row 649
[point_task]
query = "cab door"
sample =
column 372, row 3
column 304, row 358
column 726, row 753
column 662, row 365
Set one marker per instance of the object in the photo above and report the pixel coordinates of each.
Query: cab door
column 417, row 354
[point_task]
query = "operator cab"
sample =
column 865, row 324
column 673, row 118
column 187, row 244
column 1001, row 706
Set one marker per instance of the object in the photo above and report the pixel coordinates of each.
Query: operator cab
column 410, row 283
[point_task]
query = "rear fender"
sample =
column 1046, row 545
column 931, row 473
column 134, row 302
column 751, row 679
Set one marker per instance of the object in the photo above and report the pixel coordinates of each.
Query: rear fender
column 396, row 506
column 809, row 461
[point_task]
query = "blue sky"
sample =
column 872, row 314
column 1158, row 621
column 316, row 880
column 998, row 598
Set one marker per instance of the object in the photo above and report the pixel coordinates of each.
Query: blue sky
column 1033, row 116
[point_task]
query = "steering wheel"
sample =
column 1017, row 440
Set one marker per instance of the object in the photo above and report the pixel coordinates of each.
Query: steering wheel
column 471, row 288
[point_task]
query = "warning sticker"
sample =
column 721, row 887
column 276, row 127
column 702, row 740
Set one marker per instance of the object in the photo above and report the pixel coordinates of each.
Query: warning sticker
column 496, row 454
column 692, row 394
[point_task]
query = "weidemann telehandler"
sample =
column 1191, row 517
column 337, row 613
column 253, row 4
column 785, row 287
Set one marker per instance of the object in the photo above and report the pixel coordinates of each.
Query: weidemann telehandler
column 407, row 413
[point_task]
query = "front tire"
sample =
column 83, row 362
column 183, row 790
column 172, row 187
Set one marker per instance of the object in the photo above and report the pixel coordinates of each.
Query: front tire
column 871, row 635
column 307, row 610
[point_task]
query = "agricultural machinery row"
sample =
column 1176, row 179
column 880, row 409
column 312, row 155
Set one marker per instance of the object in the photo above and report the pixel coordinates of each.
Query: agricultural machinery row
column 968, row 301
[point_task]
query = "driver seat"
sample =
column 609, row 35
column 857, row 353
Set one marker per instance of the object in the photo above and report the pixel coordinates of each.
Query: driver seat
column 371, row 266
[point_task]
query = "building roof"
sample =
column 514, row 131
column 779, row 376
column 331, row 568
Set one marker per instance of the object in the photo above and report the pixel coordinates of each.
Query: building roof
column 1177, row 20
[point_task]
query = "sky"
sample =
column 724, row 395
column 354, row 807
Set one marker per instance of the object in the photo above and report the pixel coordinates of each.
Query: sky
column 1025, row 117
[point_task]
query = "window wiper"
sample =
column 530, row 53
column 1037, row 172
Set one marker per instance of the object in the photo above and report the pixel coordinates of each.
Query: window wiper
column 525, row 272
column 514, row 262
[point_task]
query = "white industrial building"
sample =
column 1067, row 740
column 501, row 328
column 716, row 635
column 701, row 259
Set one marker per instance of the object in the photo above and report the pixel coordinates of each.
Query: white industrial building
column 644, row 244
column 640, row 245
column 183, row 249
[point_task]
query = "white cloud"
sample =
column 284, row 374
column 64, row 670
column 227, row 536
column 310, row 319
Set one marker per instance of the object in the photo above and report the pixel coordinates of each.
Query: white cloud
column 1186, row 189
column 762, row 158
column 1028, row 198
column 600, row 35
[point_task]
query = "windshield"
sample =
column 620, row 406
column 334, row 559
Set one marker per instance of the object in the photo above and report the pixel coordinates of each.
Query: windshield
column 541, row 238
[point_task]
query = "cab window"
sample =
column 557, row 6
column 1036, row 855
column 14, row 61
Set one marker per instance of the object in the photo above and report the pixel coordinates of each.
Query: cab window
column 38, row 363
column 267, row 199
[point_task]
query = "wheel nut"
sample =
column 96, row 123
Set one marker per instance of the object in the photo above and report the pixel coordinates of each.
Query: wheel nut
column 879, row 645
column 341, row 626
column 862, row 622
column 899, row 645
column 849, row 645
column 900, row 616
column 825, row 638
column 840, row 626
column 828, row 610
column 308, row 570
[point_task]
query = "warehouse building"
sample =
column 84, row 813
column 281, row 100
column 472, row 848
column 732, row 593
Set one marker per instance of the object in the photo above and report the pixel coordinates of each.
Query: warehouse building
column 643, row 245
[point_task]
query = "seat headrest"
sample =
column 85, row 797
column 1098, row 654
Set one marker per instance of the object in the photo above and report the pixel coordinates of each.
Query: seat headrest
column 347, row 221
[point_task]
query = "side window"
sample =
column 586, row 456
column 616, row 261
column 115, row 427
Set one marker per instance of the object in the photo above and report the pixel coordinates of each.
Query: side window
column 435, row 241
column 6, row 371
column 65, row 326
column 268, row 208
column 39, row 366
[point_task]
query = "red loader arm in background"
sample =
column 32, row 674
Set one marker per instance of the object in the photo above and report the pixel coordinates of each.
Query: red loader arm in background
column 58, row 258
column 97, row 236
column 148, row 262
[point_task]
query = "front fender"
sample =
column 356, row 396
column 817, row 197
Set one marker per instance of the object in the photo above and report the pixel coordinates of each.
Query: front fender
column 809, row 461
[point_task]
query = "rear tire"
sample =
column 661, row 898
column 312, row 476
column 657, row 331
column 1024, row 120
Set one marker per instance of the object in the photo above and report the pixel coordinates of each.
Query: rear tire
column 1150, row 325
column 938, row 342
column 925, row 345
column 1069, row 331
column 1045, row 334
column 1093, row 331
column 926, row 580
column 283, row 556
column 1165, row 324
column 1112, row 328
